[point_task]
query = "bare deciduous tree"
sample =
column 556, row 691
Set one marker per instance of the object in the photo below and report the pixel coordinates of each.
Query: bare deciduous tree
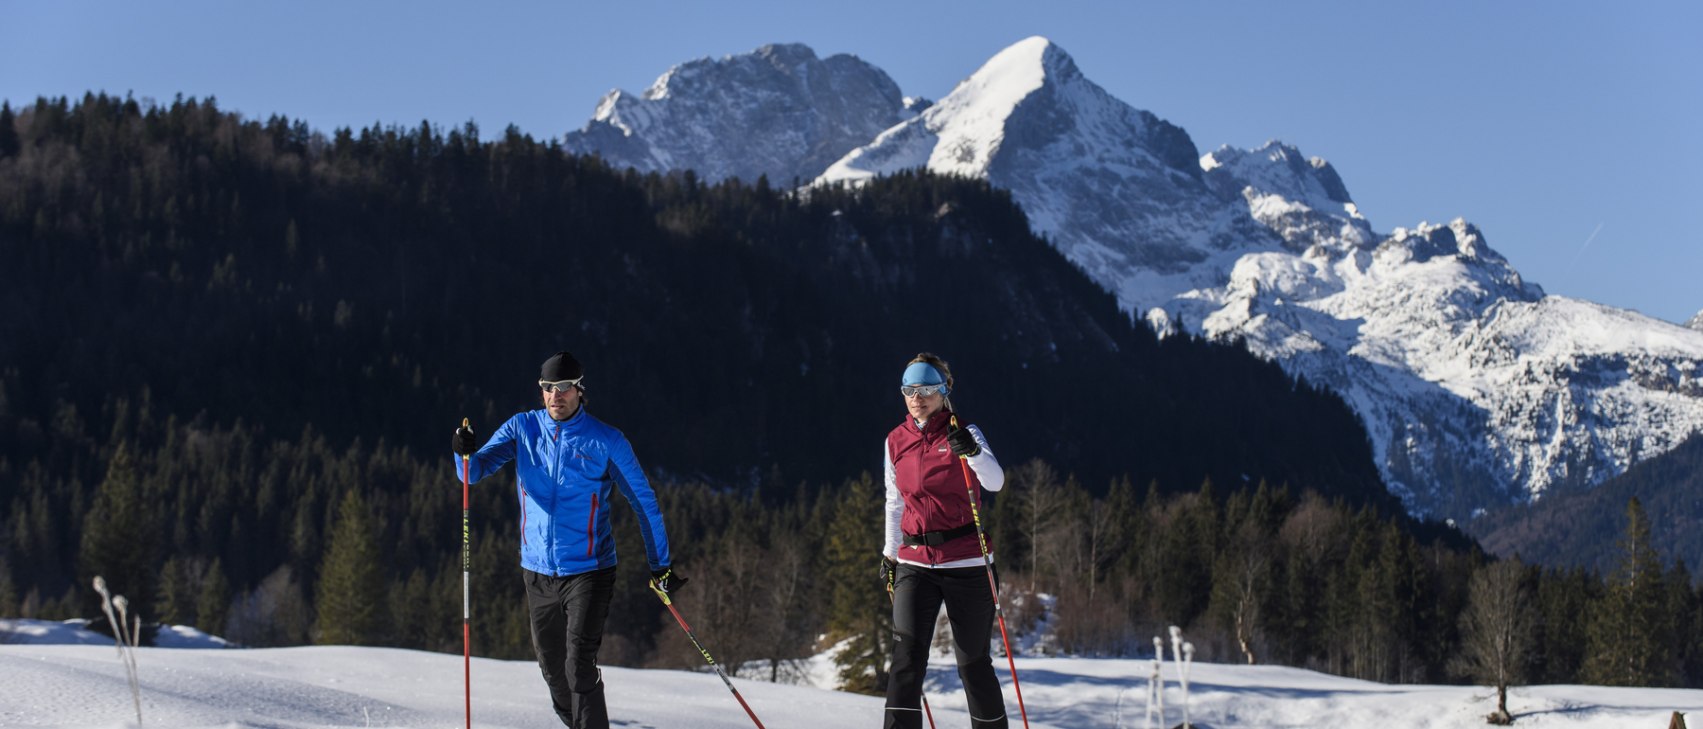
column 1043, row 503
column 731, row 575
column 1248, row 573
column 785, row 631
column 1497, row 631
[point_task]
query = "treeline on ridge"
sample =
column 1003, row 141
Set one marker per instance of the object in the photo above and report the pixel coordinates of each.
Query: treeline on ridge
column 387, row 282
column 1570, row 528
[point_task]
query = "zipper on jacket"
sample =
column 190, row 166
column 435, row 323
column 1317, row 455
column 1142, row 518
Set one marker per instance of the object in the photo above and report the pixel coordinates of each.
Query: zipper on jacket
column 555, row 495
column 591, row 527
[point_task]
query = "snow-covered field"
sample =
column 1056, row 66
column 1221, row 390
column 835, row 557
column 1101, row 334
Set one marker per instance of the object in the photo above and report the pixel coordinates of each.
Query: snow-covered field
column 51, row 676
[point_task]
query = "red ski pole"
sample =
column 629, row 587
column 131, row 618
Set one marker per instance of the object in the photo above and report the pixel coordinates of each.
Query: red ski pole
column 975, row 516
column 466, row 591
column 705, row 653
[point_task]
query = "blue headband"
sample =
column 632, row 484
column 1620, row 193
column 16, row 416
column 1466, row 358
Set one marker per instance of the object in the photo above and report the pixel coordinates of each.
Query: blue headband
column 923, row 373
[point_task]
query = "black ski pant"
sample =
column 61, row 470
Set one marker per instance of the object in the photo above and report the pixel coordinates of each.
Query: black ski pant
column 567, row 629
column 917, row 595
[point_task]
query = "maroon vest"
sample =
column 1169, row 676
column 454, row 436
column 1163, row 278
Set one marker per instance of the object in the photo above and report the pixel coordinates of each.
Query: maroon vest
column 931, row 481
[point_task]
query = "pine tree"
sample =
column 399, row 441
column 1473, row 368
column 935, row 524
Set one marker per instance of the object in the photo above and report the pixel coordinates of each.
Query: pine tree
column 1375, row 609
column 1629, row 640
column 418, row 623
column 176, row 602
column 1682, row 611
column 349, row 598
column 8, row 131
column 1694, row 634
column 1398, row 560
column 861, row 613
column 1564, row 599
column 8, row 590
column 1189, row 547
column 213, row 600
column 1344, row 632
column 119, row 534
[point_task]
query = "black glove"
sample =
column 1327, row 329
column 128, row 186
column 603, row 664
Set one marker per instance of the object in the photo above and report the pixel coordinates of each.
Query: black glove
column 666, row 582
column 464, row 444
column 888, row 570
column 963, row 443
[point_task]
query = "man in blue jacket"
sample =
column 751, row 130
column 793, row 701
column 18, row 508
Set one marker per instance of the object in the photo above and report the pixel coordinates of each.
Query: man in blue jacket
column 566, row 463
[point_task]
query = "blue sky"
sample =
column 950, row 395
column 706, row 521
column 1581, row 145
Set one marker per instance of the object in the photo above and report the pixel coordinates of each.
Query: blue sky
column 1568, row 131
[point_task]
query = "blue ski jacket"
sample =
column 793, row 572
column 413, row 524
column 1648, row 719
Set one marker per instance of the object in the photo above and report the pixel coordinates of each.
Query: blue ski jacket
column 566, row 470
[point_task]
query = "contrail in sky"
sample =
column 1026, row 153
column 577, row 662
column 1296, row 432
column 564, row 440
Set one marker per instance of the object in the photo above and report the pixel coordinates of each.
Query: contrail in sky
column 1587, row 244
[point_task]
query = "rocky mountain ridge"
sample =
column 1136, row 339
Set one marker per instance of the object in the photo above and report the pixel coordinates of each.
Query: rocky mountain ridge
column 777, row 112
column 1476, row 388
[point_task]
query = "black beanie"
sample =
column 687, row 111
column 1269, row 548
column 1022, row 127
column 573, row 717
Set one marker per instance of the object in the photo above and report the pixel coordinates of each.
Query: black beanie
column 561, row 366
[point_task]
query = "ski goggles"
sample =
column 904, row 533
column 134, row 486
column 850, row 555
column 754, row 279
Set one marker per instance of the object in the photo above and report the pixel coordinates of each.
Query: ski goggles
column 922, row 390
column 559, row 385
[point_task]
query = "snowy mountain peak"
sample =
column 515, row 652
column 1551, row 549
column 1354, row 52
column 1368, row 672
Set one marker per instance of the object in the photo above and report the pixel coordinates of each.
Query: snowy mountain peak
column 1465, row 245
column 1696, row 322
column 961, row 134
column 785, row 54
column 778, row 111
column 1300, row 198
column 787, row 59
column 996, row 89
column 1115, row 187
column 1429, row 241
column 1019, row 69
column 1282, row 169
column 1476, row 389
column 1029, row 95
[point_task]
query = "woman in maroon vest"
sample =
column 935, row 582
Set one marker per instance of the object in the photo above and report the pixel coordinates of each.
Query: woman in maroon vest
column 932, row 555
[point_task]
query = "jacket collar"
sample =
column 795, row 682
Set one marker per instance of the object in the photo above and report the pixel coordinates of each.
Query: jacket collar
column 934, row 425
column 573, row 422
